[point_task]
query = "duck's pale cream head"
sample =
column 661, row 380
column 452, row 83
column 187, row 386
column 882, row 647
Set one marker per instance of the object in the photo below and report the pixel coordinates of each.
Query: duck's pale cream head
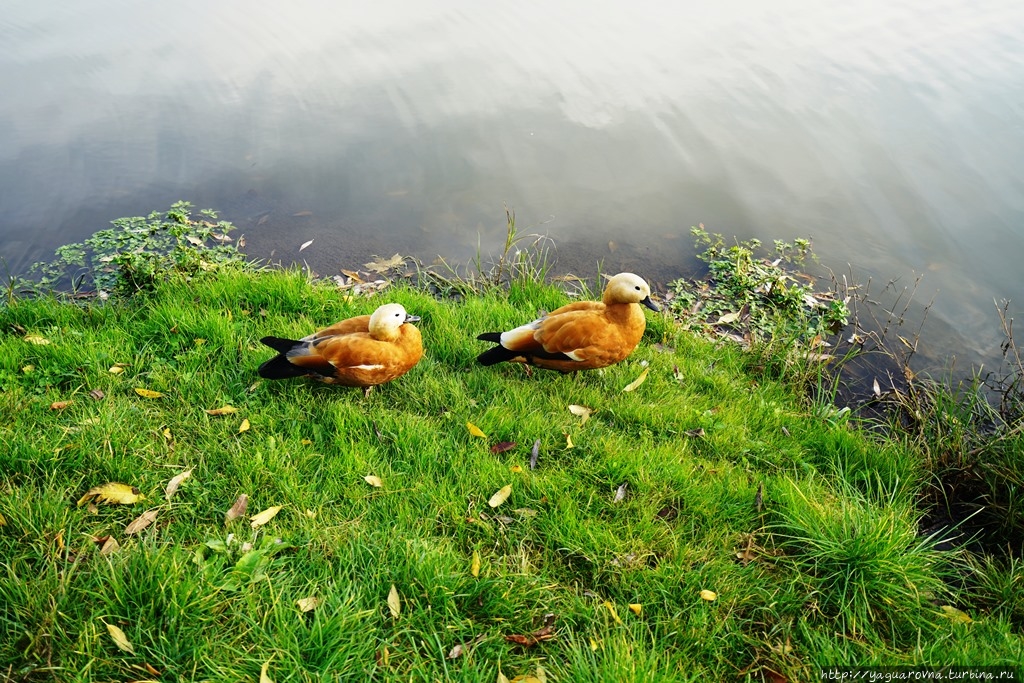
column 627, row 288
column 386, row 320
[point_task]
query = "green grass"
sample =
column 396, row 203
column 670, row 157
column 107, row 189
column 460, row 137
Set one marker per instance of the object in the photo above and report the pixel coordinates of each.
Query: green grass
column 837, row 573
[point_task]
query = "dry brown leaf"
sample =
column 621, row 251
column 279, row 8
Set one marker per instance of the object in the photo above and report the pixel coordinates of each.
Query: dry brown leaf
column 710, row 596
column 534, row 454
column 60, row 405
column 147, row 393
column 641, row 378
column 238, row 509
column 120, row 639
column 581, row 411
column 110, row 546
column 394, row 602
column 877, row 390
column 262, row 518
column 308, row 604
column 175, row 482
column 373, row 481
column 150, row 669
column 500, row 496
column 113, row 493
column 226, row 410
column 461, row 648
column 244, row 427
column 141, row 522
column 503, row 446
column 474, row 567
column 475, row 431
column 97, row 394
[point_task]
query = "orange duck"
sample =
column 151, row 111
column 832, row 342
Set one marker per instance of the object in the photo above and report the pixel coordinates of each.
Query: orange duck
column 359, row 352
column 583, row 335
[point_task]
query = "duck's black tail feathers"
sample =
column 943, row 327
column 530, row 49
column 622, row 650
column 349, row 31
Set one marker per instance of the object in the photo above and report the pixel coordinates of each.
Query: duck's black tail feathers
column 498, row 354
column 278, row 367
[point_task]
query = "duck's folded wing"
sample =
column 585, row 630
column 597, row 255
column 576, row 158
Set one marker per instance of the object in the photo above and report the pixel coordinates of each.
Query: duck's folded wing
column 359, row 352
column 360, row 323
column 576, row 335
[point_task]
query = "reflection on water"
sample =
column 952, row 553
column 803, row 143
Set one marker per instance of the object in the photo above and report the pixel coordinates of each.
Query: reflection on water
column 888, row 131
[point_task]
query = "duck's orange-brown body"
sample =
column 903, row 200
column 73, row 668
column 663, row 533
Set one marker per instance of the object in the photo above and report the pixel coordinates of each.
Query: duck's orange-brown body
column 584, row 335
column 358, row 352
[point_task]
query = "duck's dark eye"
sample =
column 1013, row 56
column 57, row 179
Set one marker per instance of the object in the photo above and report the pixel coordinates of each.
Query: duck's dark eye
column 637, row 288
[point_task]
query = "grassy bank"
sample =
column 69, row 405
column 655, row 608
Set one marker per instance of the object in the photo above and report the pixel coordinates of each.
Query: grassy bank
column 755, row 536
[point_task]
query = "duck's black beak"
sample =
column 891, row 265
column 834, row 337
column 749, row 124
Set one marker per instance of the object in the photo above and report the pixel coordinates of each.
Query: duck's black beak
column 650, row 304
column 411, row 318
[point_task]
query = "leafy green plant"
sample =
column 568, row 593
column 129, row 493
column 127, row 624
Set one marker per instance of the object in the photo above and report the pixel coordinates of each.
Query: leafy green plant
column 755, row 298
column 136, row 251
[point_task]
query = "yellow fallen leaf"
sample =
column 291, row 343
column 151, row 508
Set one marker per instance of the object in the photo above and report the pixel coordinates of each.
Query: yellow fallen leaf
column 175, row 482
column 710, row 596
column 120, row 639
column 147, row 393
column 307, row 604
column 955, row 615
column 516, row 468
column 199, row 341
column 475, row 431
column 244, row 427
column 264, row 678
column 306, row 442
column 167, row 434
column 581, row 411
column 36, row 339
column 262, row 518
column 383, row 265
column 141, row 522
column 3, row 521
column 611, row 608
column 373, row 481
column 502, row 678
column 114, row 493
column 474, row 567
column 28, row 368
column 593, row 645
column 394, row 602
column 115, row 370
column 641, row 378
column 636, row 608
column 226, row 410
column 568, row 442
column 500, row 496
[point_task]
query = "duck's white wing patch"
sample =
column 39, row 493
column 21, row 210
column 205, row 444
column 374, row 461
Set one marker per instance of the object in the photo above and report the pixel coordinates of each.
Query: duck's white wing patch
column 364, row 367
column 574, row 355
column 520, row 336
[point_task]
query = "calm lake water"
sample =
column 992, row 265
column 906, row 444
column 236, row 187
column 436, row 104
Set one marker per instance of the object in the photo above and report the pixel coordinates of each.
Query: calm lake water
column 892, row 133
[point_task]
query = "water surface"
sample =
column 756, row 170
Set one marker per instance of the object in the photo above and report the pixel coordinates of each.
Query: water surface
column 889, row 132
